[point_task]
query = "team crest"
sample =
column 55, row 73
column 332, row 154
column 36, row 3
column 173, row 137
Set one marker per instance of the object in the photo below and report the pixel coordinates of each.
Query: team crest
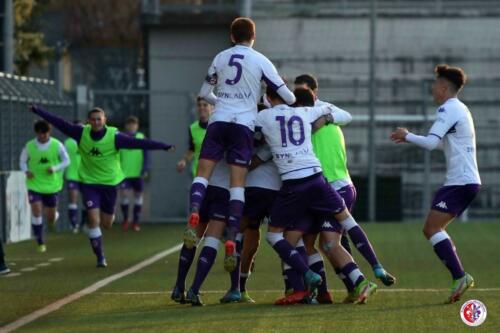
column 473, row 313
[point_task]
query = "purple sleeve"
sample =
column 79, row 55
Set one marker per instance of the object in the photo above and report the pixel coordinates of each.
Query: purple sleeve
column 123, row 141
column 67, row 128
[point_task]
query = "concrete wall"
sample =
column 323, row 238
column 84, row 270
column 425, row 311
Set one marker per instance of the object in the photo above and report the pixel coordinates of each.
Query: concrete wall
column 178, row 63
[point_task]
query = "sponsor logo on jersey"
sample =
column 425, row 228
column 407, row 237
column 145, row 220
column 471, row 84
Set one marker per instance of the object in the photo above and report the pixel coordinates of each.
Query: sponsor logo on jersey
column 473, row 313
column 95, row 152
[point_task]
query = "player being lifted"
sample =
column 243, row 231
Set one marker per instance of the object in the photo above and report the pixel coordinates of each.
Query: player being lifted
column 43, row 160
column 134, row 163
column 329, row 147
column 454, row 130
column 197, row 131
column 305, row 192
column 73, row 182
column 100, row 169
column 236, row 73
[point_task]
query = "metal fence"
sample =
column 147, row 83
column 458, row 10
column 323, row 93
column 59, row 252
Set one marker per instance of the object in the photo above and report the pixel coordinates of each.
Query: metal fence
column 16, row 123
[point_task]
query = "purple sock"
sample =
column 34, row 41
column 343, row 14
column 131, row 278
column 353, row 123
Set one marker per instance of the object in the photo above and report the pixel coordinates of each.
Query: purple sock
column 96, row 244
column 95, row 237
column 295, row 279
column 205, row 263
column 235, row 212
column 197, row 193
column 352, row 272
column 137, row 213
column 285, row 280
column 235, row 275
column 347, row 282
column 446, row 251
column 361, row 241
column 38, row 232
column 186, row 258
column 317, row 266
column 73, row 215
column 291, row 256
column 125, row 211
column 243, row 281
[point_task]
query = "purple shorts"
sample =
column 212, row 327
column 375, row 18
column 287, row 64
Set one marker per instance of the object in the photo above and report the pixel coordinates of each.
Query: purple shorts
column 300, row 198
column 215, row 206
column 72, row 185
column 48, row 200
column 349, row 194
column 102, row 197
column 314, row 225
column 258, row 203
column 454, row 199
column 235, row 140
column 136, row 184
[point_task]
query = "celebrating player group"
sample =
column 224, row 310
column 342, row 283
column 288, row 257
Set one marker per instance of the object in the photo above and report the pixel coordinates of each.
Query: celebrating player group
column 278, row 156
column 281, row 155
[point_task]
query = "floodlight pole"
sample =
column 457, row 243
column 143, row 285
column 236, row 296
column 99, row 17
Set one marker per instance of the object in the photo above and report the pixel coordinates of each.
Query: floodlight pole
column 246, row 8
column 8, row 37
column 372, row 176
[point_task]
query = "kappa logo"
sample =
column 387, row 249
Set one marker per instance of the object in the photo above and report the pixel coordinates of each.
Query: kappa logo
column 442, row 205
column 441, row 109
column 95, row 152
column 327, row 225
column 43, row 160
column 197, row 193
column 293, row 252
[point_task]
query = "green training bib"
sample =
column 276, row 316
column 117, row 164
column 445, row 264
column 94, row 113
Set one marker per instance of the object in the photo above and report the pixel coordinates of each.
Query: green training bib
column 100, row 162
column 198, row 135
column 329, row 147
column 39, row 162
column 132, row 160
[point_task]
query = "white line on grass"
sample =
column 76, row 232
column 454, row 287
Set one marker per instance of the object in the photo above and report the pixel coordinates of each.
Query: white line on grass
column 401, row 290
column 84, row 292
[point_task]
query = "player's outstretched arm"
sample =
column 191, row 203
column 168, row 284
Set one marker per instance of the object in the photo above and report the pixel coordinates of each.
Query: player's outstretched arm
column 429, row 142
column 127, row 142
column 67, row 128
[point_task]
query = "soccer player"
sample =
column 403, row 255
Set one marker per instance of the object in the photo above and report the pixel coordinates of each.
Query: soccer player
column 42, row 160
column 100, row 169
column 73, row 181
column 236, row 73
column 304, row 191
column 262, row 186
column 197, row 131
column 134, row 163
column 4, row 269
column 329, row 146
column 454, row 130
column 215, row 210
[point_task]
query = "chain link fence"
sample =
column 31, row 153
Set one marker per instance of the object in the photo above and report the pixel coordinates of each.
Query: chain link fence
column 16, row 125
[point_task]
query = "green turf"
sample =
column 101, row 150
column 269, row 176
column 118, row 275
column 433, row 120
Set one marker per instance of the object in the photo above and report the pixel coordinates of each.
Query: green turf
column 401, row 247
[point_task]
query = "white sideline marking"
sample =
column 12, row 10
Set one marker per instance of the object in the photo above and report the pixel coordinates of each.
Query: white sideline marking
column 28, row 269
column 87, row 291
column 10, row 275
column 43, row 264
column 401, row 290
column 56, row 259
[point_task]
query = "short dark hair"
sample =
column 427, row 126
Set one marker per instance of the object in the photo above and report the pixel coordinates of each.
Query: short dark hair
column 307, row 79
column 304, row 97
column 242, row 30
column 273, row 93
column 261, row 106
column 454, row 75
column 96, row 110
column 200, row 99
column 42, row 126
column 132, row 120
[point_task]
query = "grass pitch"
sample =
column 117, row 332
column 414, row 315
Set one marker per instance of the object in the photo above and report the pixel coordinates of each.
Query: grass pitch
column 141, row 302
